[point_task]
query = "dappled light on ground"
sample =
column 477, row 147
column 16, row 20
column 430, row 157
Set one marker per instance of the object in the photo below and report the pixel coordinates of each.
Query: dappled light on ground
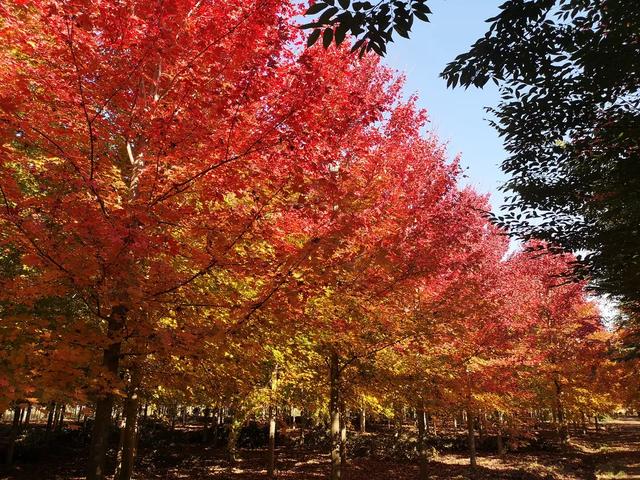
column 613, row 453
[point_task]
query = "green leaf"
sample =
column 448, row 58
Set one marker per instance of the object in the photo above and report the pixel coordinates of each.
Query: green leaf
column 357, row 45
column 422, row 16
column 418, row 7
column 313, row 38
column 401, row 31
column 316, row 8
column 344, row 3
column 306, row 26
column 325, row 18
column 341, row 32
column 327, row 37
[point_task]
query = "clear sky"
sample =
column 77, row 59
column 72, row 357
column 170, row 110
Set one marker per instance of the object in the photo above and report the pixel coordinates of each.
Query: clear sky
column 457, row 116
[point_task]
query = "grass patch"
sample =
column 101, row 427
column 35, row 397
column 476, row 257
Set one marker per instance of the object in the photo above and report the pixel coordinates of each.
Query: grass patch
column 611, row 470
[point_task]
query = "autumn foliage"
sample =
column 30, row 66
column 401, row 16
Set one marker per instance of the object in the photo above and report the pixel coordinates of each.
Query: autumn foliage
column 193, row 205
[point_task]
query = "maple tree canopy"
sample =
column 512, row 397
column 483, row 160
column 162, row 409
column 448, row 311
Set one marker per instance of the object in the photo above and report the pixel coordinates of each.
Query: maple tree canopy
column 188, row 217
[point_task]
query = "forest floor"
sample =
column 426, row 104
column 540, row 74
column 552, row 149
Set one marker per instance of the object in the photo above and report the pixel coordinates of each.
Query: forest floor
column 612, row 453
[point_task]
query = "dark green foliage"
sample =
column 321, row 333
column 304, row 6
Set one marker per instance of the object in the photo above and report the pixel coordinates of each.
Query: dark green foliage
column 569, row 78
column 372, row 25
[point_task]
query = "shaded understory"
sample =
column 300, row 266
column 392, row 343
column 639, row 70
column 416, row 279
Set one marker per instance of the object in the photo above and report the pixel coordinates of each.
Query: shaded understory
column 610, row 454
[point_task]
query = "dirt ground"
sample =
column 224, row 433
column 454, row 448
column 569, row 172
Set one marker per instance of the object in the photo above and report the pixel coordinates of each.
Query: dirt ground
column 610, row 454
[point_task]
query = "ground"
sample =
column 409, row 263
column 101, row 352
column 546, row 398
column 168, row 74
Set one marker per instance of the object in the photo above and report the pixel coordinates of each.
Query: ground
column 613, row 453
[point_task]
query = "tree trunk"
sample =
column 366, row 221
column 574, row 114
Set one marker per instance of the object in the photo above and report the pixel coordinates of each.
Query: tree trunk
column 271, row 467
column 56, row 417
column 234, row 433
column 561, row 427
column 173, row 412
column 50, row 417
column 116, row 416
column 501, row 450
column 271, row 464
column 85, row 419
column 334, row 410
column 27, row 417
column 422, row 441
column 60, row 421
column 363, row 420
column 470, row 431
column 121, row 428
column 104, row 405
column 205, row 431
column 481, row 428
column 13, row 436
column 100, row 438
column 130, row 431
column 343, row 437
column 472, row 441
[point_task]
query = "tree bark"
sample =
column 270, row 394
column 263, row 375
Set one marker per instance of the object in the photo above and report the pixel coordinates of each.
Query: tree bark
column 363, row 420
column 422, row 441
column 501, row 450
column 27, row 418
column 472, row 441
column 130, row 431
column 271, row 467
column 121, row 429
column 13, row 436
column 234, row 433
column 50, row 417
column 116, row 415
column 56, row 417
column 470, row 429
column 104, row 405
column 173, row 412
column 60, row 421
column 334, row 410
column 561, row 426
column 271, row 464
column 343, row 436
column 205, row 431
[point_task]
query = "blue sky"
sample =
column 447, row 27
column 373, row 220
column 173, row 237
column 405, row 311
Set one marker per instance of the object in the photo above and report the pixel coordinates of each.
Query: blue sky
column 457, row 116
